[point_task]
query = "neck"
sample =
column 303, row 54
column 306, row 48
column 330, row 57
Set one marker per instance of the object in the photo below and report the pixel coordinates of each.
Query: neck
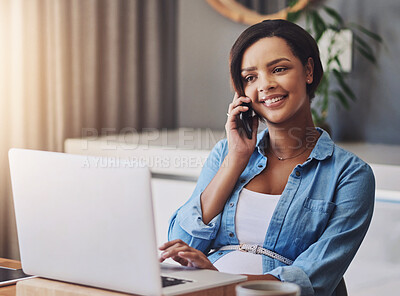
column 286, row 141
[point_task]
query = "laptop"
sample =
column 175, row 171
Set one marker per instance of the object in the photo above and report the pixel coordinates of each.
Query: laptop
column 89, row 220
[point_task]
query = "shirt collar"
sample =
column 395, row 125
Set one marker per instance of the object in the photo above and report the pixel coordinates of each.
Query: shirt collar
column 322, row 150
column 324, row 147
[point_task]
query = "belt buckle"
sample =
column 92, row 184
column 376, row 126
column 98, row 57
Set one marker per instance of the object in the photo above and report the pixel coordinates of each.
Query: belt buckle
column 248, row 248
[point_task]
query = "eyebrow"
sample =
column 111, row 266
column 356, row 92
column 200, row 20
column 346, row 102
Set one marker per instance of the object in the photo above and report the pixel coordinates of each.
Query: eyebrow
column 268, row 64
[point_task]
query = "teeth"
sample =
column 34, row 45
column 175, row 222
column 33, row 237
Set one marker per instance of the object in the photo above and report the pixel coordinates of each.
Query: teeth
column 274, row 100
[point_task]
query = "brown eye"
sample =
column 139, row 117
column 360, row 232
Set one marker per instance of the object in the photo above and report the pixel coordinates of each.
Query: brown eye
column 249, row 78
column 279, row 70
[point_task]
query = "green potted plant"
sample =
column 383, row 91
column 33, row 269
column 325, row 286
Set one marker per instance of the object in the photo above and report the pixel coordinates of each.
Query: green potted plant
column 330, row 27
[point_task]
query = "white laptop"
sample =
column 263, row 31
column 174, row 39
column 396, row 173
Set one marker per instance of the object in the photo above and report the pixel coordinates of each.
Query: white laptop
column 89, row 220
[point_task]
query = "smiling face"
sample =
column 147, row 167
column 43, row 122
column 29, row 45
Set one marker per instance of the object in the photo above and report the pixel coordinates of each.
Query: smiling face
column 275, row 80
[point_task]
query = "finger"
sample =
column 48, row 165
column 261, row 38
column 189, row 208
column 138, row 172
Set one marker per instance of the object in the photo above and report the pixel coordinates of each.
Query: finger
column 196, row 259
column 236, row 111
column 181, row 260
column 171, row 243
column 235, row 96
column 178, row 259
column 173, row 251
column 238, row 101
column 189, row 255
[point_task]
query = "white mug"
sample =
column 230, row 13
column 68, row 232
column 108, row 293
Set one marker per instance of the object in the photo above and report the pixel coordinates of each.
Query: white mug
column 267, row 288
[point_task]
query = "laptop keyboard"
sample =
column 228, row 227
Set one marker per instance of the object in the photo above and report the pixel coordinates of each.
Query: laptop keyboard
column 169, row 281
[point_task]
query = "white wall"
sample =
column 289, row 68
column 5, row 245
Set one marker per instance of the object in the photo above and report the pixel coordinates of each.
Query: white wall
column 204, row 42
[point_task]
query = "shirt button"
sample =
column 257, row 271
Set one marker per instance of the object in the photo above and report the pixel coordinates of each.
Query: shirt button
column 297, row 173
column 260, row 165
column 231, row 234
column 242, row 181
column 231, row 204
column 220, row 253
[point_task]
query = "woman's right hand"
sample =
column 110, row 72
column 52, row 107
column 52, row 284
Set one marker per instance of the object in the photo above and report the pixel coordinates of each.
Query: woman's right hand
column 240, row 148
column 238, row 143
column 182, row 253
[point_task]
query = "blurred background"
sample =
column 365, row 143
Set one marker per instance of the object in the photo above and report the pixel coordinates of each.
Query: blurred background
column 68, row 66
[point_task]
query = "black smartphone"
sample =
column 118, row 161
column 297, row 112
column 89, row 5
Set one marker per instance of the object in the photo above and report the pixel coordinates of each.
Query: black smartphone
column 246, row 120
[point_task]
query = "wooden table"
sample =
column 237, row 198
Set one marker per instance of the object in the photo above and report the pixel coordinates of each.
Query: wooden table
column 44, row 287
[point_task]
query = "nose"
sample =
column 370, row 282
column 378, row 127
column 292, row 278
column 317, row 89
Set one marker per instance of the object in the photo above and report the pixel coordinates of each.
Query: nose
column 266, row 83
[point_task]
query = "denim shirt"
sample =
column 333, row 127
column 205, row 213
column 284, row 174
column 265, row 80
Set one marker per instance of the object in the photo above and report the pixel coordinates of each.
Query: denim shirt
column 319, row 222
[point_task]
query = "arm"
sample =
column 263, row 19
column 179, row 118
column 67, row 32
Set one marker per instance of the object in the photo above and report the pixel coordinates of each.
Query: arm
column 321, row 266
column 197, row 222
column 215, row 195
column 240, row 149
column 187, row 223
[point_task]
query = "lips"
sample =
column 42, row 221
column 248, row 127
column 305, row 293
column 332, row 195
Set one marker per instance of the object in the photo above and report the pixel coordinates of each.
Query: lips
column 272, row 100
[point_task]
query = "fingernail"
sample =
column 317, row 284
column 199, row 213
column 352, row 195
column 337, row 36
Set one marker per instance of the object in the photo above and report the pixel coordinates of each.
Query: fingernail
column 165, row 254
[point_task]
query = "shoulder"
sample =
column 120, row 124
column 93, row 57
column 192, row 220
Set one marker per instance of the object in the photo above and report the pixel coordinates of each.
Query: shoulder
column 221, row 147
column 217, row 154
column 355, row 183
column 337, row 158
column 342, row 169
column 349, row 163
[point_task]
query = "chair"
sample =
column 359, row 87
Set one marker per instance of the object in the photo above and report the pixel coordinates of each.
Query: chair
column 341, row 288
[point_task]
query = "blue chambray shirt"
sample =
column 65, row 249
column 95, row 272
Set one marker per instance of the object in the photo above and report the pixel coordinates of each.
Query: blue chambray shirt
column 319, row 222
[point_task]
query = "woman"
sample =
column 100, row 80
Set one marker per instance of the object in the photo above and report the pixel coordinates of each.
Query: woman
column 300, row 204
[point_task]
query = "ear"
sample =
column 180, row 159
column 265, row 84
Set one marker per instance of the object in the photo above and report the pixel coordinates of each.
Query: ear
column 309, row 67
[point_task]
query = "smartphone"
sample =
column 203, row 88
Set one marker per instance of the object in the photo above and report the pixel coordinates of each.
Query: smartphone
column 246, row 119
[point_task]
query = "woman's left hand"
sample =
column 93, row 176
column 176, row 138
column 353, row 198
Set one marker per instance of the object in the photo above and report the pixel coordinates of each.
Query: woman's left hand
column 182, row 253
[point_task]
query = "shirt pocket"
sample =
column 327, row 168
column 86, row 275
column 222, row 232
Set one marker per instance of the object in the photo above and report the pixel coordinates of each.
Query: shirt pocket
column 312, row 221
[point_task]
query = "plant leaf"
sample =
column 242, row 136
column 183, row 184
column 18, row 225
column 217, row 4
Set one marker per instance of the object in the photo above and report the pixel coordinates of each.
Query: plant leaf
column 363, row 43
column 338, row 94
column 294, row 16
column 336, row 59
column 334, row 14
column 292, row 3
column 308, row 20
column 366, row 54
column 334, row 27
column 316, row 117
column 346, row 88
column 318, row 24
column 325, row 103
column 367, row 32
column 324, row 83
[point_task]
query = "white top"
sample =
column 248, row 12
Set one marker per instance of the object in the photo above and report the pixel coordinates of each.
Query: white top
column 253, row 215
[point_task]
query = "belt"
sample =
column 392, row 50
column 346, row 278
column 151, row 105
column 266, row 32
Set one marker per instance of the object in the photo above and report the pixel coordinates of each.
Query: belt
column 256, row 249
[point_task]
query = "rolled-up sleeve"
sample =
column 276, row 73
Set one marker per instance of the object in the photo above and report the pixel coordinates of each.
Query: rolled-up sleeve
column 187, row 223
column 321, row 266
column 294, row 274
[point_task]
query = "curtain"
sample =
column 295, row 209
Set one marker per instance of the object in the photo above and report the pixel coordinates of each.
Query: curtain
column 67, row 66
